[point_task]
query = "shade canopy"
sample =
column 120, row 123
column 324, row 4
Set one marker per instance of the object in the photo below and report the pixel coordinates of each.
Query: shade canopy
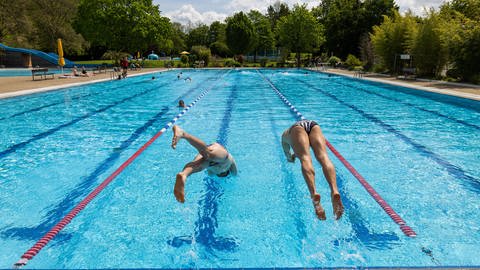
column 184, row 52
column 152, row 56
column 61, row 60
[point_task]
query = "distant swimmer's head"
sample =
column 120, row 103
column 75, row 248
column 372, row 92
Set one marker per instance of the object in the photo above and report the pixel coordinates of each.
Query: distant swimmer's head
column 181, row 103
column 153, row 77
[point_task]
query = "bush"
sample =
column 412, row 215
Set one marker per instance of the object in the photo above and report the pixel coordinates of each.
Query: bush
column 263, row 62
column 115, row 56
column 352, row 62
column 184, row 58
column 454, row 73
column 168, row 64
column 334, row 61
column 232, row 63
column 203, row 54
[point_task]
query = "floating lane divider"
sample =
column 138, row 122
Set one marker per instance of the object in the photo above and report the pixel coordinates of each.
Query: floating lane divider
column 29, row 254
column 385, row 206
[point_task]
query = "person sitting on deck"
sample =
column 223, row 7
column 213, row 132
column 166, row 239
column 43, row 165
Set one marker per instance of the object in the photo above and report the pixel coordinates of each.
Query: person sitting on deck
column 84, row 72
column 213, row 157
column 77, row 74
column 300, row 137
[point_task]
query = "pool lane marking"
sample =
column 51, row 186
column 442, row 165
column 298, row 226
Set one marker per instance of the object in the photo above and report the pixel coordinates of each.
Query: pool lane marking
column 49, row 132
column 44, row 134
column 58, row 211
column 63, row 102
column 361, row 229
column 453, row 119
column 29, row 254
column 385, row 206
column 206, row 224
column 455, row 171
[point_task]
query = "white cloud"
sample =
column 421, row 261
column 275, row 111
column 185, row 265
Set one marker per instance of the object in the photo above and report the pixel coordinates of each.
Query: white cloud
column 262, row 5
column 187, row 14
column 418, row 7
column 218, row 10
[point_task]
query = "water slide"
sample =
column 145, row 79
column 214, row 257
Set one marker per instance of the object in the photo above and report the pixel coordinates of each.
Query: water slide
column 50, row 57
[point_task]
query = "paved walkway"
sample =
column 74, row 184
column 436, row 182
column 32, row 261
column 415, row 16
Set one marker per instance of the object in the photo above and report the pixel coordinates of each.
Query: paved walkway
column 23, row 85
column 469, row 91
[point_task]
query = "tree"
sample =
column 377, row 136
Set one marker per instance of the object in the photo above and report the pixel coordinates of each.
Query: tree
column 366, row 51
column 469, row 8
column 15, row 23
column 392, row 38
column 300, row 31
column 428, row 52
column 32, row 24
column 460, row 33
column 198, row 36
column 178, row 38
column 122, row 25
column 240, row 33
column 264, row 38
column 346, row 21
column 276, row 11
column 49, row 26
column 217, row 33
column 217, row 38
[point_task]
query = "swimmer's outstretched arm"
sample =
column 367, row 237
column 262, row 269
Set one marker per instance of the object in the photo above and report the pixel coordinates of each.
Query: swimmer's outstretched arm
column 286, row 147
column 233, row 167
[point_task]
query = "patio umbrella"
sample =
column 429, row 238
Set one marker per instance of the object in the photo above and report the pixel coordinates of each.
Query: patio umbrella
column 61, row 60
column 184, row 52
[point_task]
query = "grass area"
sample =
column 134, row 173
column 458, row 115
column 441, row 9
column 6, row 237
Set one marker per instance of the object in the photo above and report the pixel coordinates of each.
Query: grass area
column 95, row 62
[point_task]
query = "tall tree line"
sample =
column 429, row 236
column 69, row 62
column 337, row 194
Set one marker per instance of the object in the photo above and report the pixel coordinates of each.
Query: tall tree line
column 373, row 30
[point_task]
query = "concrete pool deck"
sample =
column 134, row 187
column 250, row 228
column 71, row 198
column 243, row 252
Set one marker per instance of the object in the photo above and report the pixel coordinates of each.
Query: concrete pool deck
column 23, row 85
column 469, row 91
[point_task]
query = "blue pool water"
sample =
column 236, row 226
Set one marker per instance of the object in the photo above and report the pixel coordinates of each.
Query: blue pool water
column 17, row 72
column 420, row 151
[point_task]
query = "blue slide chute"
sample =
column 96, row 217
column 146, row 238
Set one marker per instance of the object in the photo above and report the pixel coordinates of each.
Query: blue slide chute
column 50, row 57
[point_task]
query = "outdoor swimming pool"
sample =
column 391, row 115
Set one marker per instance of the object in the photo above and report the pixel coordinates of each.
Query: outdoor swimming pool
column 420, row 151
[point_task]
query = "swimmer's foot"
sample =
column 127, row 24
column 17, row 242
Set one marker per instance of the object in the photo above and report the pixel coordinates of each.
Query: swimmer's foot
column 318, row 207
column 337, row 206
column 177, row 135
column 179, row 190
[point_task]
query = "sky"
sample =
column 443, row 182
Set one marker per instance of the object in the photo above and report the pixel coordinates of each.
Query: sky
column 208, row 11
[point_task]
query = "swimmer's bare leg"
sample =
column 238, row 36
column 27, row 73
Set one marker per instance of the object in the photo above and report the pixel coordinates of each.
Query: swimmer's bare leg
column 197, row 165
column 318, row 207
column 337, row 205
column 200, row 145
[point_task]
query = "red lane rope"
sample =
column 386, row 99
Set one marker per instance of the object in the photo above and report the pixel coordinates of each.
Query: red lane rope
column 385, row 206
column 29, row 254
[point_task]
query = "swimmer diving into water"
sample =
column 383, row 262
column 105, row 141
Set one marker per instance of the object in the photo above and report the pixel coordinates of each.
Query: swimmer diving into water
column 300, row 137
column 213, row 157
